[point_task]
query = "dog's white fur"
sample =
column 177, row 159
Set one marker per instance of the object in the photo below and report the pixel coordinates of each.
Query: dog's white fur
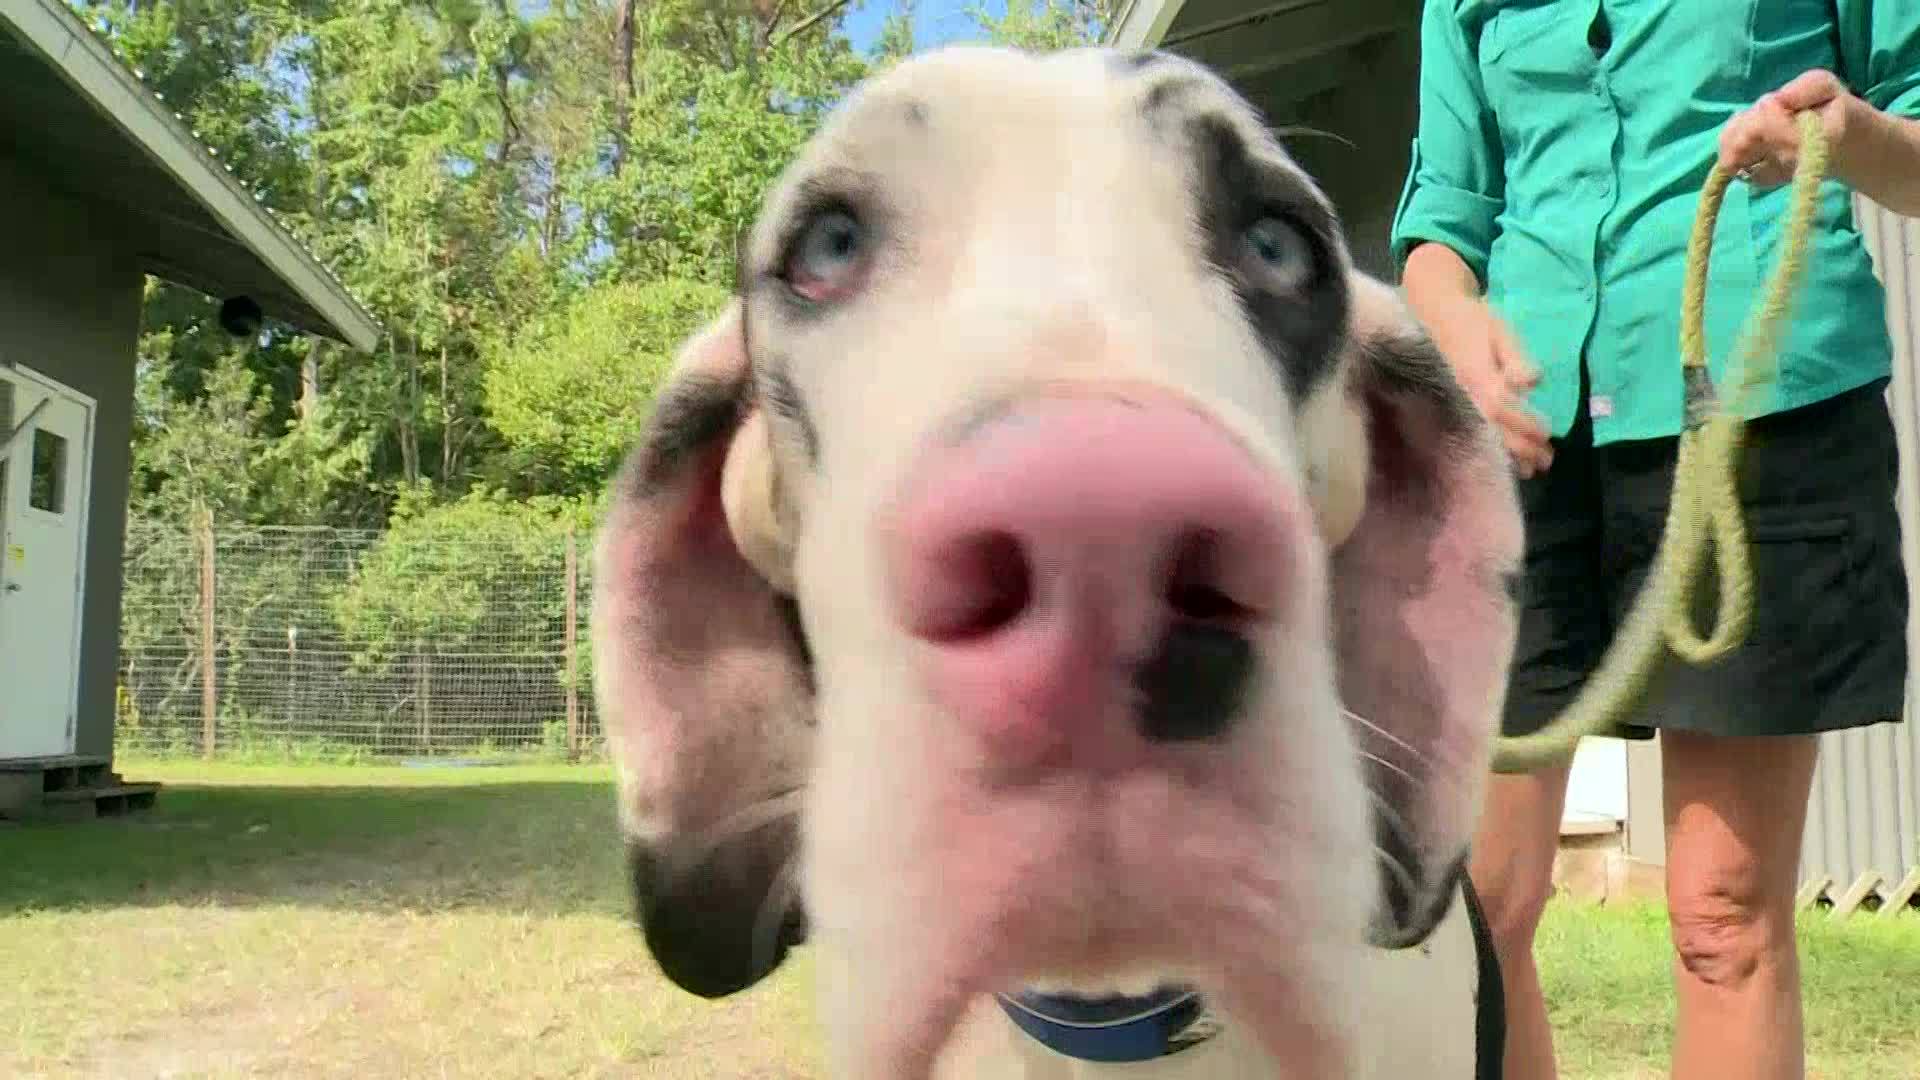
column 1040, row 229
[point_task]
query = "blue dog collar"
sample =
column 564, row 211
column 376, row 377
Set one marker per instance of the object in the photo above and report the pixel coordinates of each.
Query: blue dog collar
column 1115, row 1029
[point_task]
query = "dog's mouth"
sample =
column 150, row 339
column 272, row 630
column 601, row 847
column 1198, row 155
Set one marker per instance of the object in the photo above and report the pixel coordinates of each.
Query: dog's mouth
column 1108, row 915
column 1415, row 890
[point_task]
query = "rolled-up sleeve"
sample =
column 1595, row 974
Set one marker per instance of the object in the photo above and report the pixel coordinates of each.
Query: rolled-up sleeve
column 1454, row 187
column 1880, row 53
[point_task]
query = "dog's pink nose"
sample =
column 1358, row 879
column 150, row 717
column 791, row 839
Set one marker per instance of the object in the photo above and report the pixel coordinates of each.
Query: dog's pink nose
column 1089, row 570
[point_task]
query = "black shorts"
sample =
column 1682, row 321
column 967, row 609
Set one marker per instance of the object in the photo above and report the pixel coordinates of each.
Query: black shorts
column 1828, row 644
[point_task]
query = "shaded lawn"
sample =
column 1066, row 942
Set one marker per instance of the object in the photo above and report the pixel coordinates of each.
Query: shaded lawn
column 351, row 921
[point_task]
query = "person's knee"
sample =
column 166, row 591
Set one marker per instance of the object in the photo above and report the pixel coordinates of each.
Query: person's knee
column 1513, row 895
column 1725, row 925
column 1512, row 857
column 1736, row 811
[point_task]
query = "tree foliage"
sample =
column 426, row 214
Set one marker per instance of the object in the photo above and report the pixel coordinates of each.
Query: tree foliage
column 537, row 201
column 565, row 393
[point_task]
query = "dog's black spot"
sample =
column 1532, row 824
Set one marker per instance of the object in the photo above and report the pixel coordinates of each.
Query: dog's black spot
column 784, row 400
column 688, row 420
column 1135, row 61
column 916, row 114
column 706, row 920
column 975, row 418
column 1514, row 583
column 789, row 610
column 1195, row 683
column 1409, row 364
column 1302, row 328
column 1165, row 103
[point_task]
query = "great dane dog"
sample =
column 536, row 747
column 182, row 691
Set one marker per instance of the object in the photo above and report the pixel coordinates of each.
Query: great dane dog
column 1064, row 591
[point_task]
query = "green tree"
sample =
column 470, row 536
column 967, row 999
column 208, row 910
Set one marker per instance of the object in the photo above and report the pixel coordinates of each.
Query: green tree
column 571, row 391
column 1044, row 25
column 502, row 185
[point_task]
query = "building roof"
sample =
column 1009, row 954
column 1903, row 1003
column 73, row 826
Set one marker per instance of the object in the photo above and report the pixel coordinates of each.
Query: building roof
column 72, row 111
column 1346, row 68
column 1276, row 51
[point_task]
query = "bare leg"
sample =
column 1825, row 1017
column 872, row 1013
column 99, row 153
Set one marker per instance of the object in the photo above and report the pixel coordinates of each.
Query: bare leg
column 1512, row 871
column 1735, row 809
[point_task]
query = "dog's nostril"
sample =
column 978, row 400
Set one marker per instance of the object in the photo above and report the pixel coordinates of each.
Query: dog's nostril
column 1194, row 589
column 995, row 586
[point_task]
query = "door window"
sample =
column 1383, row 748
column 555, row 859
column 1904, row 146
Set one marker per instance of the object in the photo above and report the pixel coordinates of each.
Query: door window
column 47, row 484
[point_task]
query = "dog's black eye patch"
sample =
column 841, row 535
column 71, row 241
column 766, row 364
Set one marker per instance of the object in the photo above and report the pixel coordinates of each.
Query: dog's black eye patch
column 1274, row 243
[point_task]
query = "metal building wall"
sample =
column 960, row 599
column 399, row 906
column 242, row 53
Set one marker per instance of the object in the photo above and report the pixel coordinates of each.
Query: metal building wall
column 1863, row 819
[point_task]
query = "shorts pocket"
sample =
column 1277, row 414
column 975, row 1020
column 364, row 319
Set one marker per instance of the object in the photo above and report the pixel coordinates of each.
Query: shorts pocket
column 1786, row 529
column 1807, row 581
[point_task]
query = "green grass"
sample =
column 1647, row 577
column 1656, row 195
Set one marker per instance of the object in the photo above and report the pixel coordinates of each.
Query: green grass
column 322, row 921
column 1606, row 976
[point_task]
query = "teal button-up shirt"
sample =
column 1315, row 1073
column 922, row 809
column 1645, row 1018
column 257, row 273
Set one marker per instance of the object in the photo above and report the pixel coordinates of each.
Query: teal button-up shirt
column 1564, row 162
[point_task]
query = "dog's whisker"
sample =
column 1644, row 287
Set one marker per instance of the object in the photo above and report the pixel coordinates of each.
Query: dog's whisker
column 1395, row 865
column 780, row 898
column 1391, row 816
column 1290, row 130
column 773, row 810
column 1369, row 725
column 754, row 816
column 1389, row 766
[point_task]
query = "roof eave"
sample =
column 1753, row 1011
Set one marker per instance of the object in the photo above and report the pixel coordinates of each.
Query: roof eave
column 1142, row 24
column 91, row 68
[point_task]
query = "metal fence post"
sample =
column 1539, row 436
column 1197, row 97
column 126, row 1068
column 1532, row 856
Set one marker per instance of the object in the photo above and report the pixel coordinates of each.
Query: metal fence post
column 423, row 692
column 209, row 648
column 572, row 647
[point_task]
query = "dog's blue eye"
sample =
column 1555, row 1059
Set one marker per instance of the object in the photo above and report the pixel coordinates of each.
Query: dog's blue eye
column 1282, row 250
column 833, row 237
column 828, row 255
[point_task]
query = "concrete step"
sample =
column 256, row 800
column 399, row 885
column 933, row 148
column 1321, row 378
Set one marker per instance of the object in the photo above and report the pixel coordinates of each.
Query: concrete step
column 68, row 789
column 113, row 800
column 56, row 773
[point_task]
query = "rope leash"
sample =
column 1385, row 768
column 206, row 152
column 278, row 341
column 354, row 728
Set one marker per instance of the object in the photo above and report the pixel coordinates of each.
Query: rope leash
column 1703, row 516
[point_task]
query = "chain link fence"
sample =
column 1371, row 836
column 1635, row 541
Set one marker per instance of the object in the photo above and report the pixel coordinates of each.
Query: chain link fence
column 325, row 643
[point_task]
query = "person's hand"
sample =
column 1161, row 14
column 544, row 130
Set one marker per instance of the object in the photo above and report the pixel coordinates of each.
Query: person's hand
column 1762, row 142
column 1490, row 364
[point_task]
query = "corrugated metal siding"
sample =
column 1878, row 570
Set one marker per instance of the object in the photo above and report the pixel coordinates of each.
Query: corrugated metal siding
column 1864, row 815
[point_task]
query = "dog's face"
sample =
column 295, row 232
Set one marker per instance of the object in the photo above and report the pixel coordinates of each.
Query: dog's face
column 1058, row 567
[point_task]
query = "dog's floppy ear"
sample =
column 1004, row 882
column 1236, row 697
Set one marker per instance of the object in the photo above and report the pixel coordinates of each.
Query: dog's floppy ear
column 702, row 678
column 1424, row 608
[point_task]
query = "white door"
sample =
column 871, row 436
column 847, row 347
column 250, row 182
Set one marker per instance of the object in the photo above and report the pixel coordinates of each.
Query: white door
column 43, row 528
